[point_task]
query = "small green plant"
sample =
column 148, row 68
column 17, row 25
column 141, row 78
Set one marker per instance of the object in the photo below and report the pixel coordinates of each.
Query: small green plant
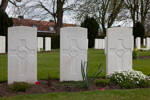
column 135, row 54
column 41, row 49
column 101, row 82
column 130, row 79
column 84, row 72
column 19, row 86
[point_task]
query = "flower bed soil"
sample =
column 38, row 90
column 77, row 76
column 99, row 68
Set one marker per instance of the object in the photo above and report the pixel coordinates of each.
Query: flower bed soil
column 54, row 86
column 144, row 57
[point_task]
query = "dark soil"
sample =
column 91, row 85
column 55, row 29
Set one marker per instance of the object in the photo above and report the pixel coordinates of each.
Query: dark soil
column 144, row 57
column 45, row 86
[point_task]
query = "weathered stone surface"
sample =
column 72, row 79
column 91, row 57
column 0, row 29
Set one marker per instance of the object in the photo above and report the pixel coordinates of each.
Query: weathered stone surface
column 2, row 44
column 138, row 43
column 40, row 43
column 73, row 50
column 22, row 54
column 48, row 44
column 119, row 50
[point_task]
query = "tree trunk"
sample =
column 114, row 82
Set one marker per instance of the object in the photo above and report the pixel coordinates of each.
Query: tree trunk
column 59, row 15
column 4, row 4
column 104, row 29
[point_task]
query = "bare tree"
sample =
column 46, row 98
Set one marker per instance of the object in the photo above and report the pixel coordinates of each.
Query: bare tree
column 105, row 11
column 3, row 4
column 138, row 9
column 47, row 9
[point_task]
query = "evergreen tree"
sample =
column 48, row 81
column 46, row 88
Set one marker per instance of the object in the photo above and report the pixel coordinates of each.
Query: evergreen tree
column 138, row 30
column 92, row 25
column 5, row 22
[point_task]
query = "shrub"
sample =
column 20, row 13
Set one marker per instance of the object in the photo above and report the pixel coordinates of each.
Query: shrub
column 19, row 86
column 102, row 82
column 130, row 79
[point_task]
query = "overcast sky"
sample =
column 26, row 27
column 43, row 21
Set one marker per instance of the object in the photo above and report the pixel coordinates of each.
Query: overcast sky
column 69, row 17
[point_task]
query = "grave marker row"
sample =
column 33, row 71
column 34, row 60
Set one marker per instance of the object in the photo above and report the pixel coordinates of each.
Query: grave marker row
column 22, row 52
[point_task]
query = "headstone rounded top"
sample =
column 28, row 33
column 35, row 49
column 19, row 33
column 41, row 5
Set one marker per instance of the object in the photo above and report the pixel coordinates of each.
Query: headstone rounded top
column 119, row 31
column 22, row 27
column 74, row 28
column 119, row 28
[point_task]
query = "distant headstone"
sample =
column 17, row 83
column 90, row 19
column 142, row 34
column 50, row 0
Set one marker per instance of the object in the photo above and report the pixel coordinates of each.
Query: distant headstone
column 73, row 50
column 40, row 43
column 99, row 43
column 2, row 44
column 48, row 44
column 105, row 50
column 96, row 44
column 119, row 50
column 103, row 47
column 144, row 42
column 138, row 43
column 22, row 54
column 148, row 43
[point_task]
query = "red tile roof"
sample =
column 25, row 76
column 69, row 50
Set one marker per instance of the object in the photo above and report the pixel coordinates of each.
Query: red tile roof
column 41, row 25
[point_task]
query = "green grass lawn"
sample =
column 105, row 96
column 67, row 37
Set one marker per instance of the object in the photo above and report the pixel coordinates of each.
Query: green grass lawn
column 134, row 94
column 48, row 63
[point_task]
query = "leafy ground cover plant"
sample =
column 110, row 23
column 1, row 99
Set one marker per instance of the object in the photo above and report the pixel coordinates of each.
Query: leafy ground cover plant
column 130, row 79
column 19, row 86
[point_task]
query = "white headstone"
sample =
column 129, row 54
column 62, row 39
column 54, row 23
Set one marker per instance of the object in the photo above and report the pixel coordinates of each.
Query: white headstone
column 40, row 43
column 73, row 50
column 148, row 43
column 48, row 44
column 22, row 54
column 144, row 42
column 96, row 43
column 103, row 44
column 138, row 43
column 105, row 50
column 100, row 43
column 2, row 44
column 119, row 50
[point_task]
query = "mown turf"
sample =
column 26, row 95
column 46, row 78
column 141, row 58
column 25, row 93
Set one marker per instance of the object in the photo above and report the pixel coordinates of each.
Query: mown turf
column 134, row 94
column 48, row 63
